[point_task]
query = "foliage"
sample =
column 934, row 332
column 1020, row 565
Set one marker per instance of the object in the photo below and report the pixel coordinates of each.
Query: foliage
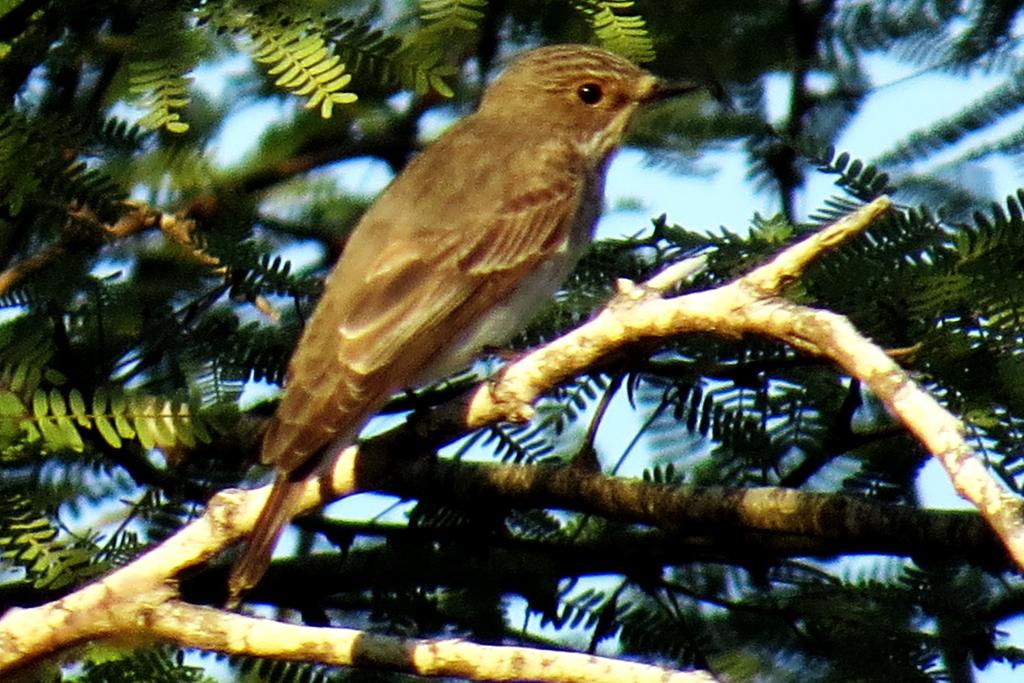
column 452, row 15
column 129, row 341
column 56, row 419
column 29, row 540
column 162, row 54
column 293, row 50
column 159, row 665
column 623, row 33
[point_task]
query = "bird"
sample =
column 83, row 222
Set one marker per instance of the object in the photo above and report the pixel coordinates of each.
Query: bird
column 455, row 255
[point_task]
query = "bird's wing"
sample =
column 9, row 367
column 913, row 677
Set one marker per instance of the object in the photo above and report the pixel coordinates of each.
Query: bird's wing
column 399, row 299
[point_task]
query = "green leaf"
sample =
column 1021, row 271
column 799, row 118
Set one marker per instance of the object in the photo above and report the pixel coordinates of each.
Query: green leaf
column 78, row 408
column 144, row 431
column 107, row 431
column 57, row 406
column 12, row 414
column 297, row 53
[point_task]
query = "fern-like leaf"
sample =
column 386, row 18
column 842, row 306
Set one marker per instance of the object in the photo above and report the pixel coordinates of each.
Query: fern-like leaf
column 34, row 165
column 983, row 113
column 117, row 135
column 452, row 15
column 57, row 418
column 83, row 185
column 255, row 274
column 26, row 348
column 18, row 144
column 162, row 54
column 298, row 55
column 864, row 181
column 516, row 443
column 159, row 664
column 418, row 65
column 260, row 350
column 1003, row 229
column 623, row 33
column 29, row 540
column 162, row 91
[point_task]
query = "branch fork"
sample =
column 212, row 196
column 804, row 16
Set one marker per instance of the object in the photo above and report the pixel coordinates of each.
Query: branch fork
column 143, row 594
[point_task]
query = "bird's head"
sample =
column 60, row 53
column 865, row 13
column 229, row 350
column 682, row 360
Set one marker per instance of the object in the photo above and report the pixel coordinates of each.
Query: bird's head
column 582, row 88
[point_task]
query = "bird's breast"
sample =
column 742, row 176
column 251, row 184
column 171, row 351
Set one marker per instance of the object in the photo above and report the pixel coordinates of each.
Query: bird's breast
column 521, row 303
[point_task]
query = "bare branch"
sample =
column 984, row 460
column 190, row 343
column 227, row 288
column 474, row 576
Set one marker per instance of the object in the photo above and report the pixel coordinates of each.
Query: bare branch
column 214, row 629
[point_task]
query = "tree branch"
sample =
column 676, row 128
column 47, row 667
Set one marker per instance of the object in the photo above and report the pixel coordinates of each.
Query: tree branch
column 214, row 629
column 74, row 239
column 144, row 592
column 460, row 558
column 752, row 305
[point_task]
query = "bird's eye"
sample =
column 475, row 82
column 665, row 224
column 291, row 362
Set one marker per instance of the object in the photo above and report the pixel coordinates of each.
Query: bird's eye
column 590, row 93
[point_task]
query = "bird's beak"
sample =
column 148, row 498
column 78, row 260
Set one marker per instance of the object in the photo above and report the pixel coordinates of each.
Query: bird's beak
column 661, row 89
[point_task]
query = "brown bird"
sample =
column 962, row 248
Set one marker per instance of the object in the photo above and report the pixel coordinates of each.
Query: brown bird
column 456, row 254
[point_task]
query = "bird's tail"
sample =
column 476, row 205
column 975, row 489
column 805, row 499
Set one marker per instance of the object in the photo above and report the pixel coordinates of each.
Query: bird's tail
column 276, row 514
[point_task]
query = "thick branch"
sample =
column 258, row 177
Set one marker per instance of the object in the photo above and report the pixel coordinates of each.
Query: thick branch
column 460, row 558
column 142, row 591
